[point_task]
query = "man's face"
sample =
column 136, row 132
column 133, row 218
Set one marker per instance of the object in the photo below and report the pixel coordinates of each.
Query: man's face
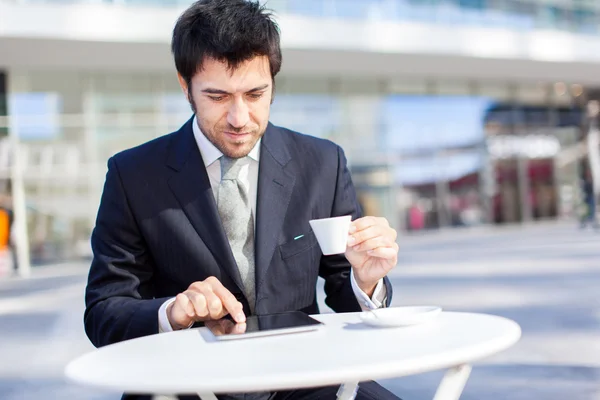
column 232, row 106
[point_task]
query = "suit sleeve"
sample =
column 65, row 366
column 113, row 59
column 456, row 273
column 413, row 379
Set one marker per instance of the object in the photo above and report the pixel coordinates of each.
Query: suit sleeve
column 119, row 296
column 336, row 269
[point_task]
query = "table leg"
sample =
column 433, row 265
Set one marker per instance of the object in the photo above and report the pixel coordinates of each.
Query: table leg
column 207, row 396
column 347, row 391
column 453, row 383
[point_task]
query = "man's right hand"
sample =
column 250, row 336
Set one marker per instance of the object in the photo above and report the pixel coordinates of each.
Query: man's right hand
column 204, row 301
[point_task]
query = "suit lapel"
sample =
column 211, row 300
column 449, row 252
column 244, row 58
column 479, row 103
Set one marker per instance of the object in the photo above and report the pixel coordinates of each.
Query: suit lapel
column 191, row 186
column 275, row 186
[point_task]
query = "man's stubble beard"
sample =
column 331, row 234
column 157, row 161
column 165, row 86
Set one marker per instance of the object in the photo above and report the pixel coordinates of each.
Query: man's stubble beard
column 214, row 138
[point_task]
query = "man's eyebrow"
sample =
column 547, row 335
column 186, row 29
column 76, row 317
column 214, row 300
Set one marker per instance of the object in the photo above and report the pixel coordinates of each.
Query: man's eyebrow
column 224, row 92
column 259, row 88
column 214, row 91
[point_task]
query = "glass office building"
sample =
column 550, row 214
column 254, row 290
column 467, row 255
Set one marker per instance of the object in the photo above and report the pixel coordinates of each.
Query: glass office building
column 580, row 16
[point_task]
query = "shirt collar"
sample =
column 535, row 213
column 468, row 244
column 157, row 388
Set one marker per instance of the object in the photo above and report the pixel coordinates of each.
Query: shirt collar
column 210, row 153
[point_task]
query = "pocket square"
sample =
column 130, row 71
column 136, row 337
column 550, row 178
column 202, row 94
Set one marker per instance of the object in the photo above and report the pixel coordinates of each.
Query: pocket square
column 298, row 237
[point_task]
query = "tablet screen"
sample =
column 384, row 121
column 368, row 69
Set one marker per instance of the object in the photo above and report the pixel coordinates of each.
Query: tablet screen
column 263, row 325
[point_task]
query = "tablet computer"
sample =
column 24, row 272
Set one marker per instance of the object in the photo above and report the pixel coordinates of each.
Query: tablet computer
column 263, row 325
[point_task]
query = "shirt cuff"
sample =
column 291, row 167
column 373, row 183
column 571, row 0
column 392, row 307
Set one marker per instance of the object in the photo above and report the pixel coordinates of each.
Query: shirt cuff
column 366, row 303
column 163, row 321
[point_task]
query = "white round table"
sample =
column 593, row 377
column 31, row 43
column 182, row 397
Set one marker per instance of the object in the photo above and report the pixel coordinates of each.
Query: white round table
column 345, row 352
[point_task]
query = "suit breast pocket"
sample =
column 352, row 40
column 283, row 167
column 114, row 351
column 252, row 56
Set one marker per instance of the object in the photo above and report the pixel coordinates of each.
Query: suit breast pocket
column 298, row 245
column 299, row 272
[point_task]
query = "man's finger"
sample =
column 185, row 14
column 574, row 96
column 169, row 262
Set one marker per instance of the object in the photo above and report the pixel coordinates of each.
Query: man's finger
column 213, row 303
column 365, row 222
column 181, row 312
column 361, row 236
column 386, row 253
column 183, row 305
column 230, row 303
column 374, row 243
column 199, row 301
column 362, row 223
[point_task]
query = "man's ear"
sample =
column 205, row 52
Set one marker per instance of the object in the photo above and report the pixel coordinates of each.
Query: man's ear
column 184, row 86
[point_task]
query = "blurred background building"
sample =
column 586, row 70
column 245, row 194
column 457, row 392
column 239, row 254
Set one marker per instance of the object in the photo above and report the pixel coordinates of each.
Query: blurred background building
column 451, row 112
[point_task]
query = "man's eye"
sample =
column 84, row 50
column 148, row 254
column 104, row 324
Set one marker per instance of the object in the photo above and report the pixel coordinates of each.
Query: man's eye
column 216, row 98
column 255, row 96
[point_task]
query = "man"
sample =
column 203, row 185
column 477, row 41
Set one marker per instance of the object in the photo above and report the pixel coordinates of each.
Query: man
column 589, row 199
column 7, row 248
column 213, row 219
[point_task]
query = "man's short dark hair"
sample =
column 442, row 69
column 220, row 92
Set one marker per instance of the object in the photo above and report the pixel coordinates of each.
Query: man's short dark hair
column 233, row 31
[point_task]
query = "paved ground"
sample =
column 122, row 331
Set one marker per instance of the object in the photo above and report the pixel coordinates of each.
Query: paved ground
column 545, row 277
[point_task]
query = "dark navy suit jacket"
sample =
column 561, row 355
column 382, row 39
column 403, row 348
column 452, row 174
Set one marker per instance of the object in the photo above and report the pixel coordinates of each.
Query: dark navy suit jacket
column 158, row 231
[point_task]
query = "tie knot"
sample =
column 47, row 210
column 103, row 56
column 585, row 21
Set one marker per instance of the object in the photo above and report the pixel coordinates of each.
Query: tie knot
column 231, row 167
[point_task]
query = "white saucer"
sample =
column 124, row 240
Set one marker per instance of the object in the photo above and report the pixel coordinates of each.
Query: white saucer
column 399, row 316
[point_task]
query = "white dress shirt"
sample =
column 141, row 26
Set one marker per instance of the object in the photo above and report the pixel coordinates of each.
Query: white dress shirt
column 249, row 178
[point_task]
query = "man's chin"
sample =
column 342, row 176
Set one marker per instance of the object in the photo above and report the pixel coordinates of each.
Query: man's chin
column 236, row 150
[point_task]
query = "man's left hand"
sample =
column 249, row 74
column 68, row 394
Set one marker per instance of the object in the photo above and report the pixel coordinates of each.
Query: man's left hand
column 372, row 251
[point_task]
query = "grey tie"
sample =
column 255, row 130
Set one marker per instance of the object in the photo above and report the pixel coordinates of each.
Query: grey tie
column 236, row 215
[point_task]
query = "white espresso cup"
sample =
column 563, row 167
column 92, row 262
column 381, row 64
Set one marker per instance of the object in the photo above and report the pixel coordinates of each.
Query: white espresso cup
column 332, row 233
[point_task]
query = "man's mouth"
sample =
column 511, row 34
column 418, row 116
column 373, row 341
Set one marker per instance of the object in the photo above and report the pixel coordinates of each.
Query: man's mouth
column 237, row 135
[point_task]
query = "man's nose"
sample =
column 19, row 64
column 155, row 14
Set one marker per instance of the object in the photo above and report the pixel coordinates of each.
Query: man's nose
column 238, row 114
